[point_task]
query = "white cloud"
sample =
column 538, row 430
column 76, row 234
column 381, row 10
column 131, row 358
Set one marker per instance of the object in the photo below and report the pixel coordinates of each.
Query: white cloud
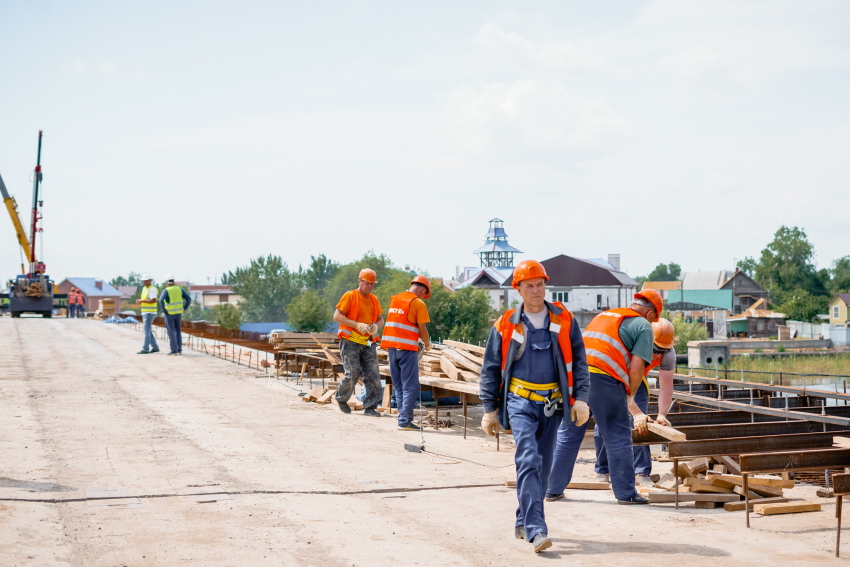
column 107, row 68
column 77, row 66
column 525, row 53
column 143, row 74
column 702, row 67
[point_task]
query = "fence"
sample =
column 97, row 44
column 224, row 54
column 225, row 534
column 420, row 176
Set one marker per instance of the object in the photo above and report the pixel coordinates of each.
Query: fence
column 809, row 330
column 839, row 381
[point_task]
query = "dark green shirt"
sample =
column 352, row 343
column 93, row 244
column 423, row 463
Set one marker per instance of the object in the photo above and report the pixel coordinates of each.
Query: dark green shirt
column 636, row 334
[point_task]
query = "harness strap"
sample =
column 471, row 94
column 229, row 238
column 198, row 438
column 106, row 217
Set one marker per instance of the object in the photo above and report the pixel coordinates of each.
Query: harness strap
column 527, row 390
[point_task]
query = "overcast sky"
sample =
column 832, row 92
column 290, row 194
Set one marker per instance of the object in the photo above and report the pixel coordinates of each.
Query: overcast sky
column 190, row 137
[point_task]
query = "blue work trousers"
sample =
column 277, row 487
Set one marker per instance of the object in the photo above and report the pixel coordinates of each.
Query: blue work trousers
column 608, row 406
column 175, row 337
column 404, row 371
column 150, row 339
column 643, row 458
column 535, row 436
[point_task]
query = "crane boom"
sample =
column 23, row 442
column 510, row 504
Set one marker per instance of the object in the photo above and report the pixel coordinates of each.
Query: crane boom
column 12, row 207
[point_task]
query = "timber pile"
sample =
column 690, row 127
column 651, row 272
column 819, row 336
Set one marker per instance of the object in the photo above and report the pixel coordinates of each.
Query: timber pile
column 301, row 342
column 34, row 289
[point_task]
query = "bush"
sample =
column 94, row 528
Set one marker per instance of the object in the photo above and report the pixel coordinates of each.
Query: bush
column 780, row 348
column 758, row 350
column 686, row 332
column 227, row 315
column 309, row 312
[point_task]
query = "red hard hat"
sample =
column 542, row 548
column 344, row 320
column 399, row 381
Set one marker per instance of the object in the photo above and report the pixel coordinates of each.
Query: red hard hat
column 424, row 281
column 653, row 297
column 528, row 269
column 368, row 275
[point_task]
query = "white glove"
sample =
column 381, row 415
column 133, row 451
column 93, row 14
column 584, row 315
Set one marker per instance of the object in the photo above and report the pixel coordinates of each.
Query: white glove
column 580, row 413
column 428, row 346
column 373, row 329
column 640, row 423
column 662, row 420
column 362, row 328
column 490, row 423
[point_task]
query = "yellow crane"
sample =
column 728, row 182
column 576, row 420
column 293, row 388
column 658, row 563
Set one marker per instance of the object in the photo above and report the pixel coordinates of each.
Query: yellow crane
column 12, row 207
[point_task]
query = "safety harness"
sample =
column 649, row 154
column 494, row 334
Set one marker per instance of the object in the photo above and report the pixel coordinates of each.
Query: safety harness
column 528, row 390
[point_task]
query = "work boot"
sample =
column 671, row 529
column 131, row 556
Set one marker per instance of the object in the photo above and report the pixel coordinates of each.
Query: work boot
column 643, row 480
column 142, row 352
column 552, row 497
column 154, row 350
column 371, row 412
column 602, row 478
column 540, row 542
column 409, row 427
column 519, row 532
column 173, row 353
column 636, row 499
column 343, row 407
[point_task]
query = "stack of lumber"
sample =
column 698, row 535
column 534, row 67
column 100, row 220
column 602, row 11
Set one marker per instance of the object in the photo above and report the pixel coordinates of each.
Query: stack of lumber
column 34, row 289
column 107, row 307
column 461, row 361
column 322, row 395
column 302, row 341
column 710, row 482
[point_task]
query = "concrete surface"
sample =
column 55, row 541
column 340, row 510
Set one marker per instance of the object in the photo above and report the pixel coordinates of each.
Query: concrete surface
column 290, row 483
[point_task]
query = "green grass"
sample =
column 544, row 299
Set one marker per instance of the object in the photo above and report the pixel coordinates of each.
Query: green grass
column 835, row 364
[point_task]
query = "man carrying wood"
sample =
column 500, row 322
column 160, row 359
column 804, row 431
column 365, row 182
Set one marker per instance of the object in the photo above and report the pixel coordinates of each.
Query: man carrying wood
column 534, row 364
column 619, row 347
column 359, row 316
column 663, row 358
column 405, row 329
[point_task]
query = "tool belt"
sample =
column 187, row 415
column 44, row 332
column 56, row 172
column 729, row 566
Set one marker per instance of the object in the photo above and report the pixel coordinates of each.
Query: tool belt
column 528, row 390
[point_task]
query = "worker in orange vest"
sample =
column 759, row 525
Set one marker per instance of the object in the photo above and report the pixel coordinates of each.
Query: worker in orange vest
column 663, row 358
column 403, row 331
column 81, row 301
column 533, row 376
column 359, row 316
column 72, row 302
column 619, row 348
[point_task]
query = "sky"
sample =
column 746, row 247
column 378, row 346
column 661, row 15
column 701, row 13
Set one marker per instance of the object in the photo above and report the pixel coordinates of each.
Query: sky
column 189, row 137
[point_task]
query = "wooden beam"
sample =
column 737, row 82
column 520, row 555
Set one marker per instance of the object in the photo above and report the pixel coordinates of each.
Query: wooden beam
column 741, row 506
column 666, row 432
column 785, row 508
column 669, row 497
column 449, row 368
column 466, row 346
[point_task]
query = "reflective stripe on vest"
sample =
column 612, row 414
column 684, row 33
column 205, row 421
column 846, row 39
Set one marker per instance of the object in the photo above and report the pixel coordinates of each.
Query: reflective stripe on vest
column 399, row 332
column 557, row 324
column 174, row 302
column 353, row 309
column 148, row 307
column 603, row 346
column 80, row 299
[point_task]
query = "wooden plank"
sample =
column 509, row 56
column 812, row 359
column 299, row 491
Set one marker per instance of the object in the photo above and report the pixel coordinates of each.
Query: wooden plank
column 741, row 506
column 669, row 497
column 753, row 495
column 469, row 376
column 449, row 368
column 719, row 469
column 355, row 405
column 785, row 508
column 458, row 360
column 693, row 467
column 707, row 505
column 477, row 360
column 731, row 481
column 666, row 432
column 326, row 397
column 466, row 346
column 589, row 485
column 388, row 394
column 841, row 441
column 703, row 485
column 510, row 483
column 727, row 462
column 667, row 482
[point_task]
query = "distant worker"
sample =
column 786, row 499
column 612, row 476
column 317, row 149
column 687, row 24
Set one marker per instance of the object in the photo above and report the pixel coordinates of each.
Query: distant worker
column 619, row 347
column 663, row 358
column 359, row 316
column 534, row 365
column 81, row 304
column 174, row 300
column 404, row 329
column 72, row 302
column 147, row 302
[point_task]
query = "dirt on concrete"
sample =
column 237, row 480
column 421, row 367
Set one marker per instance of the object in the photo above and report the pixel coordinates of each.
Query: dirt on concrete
column 110, row 458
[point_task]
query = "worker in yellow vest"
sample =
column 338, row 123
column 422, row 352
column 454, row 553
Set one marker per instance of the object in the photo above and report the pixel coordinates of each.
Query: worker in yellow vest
column 403, row 331
column 359, row 316
column 147, row 303
column 174, row 300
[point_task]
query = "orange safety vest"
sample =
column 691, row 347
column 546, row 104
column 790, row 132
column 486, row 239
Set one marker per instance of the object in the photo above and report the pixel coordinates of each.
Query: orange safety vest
column 604, row 348
column 80, row 299
column 72, row 298
column 559, row 324
column 399, row 332
column 345, row 330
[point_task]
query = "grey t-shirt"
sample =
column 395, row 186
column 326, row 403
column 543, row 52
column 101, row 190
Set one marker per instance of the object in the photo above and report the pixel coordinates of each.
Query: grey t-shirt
column 636, row 334
column 668, row 361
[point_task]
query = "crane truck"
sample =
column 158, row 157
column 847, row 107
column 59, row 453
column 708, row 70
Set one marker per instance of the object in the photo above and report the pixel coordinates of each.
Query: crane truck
column 32, row 290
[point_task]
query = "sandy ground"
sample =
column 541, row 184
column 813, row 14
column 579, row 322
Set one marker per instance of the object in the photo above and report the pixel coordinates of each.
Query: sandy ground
column 80, row 411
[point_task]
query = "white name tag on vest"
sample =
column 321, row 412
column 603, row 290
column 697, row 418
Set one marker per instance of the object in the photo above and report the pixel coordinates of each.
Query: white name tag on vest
column 518, row 337
column 554, row 327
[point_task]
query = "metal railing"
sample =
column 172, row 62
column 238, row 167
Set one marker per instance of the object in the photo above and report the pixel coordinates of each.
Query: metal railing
column 781, row 378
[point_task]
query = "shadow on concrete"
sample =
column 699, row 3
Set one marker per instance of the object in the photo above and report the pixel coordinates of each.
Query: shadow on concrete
column 579, row 547
column 33, row 486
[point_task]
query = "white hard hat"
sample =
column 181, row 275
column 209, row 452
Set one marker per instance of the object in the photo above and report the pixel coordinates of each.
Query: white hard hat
column 169, row 278
column 146, row 276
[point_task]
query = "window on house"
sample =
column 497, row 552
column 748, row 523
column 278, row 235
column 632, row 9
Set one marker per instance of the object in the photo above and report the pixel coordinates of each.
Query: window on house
column 599, row 301
column 835, row 312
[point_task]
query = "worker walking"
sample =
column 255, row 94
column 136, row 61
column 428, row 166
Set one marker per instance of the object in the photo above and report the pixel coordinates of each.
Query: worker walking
column 81, row 302
column 534, row 365
column 359, row 316
column 72, row 302
column 174, row 300
column 663, row 358
column 147, row 302
column 403, row 331
column 619, row 347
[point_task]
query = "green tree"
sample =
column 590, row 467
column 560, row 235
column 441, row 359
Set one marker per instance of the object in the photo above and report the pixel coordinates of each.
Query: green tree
column 786, row 264
column 840, row 272
column 800, row 305
column 266, row 287
column 320, row 272
column 309, row 312
column 686, row 332
column 747, row 265
column 345, row 277
column 132, row 279
column 462, row 315
column 197, row 313
column 227, row 315
column 665, row 273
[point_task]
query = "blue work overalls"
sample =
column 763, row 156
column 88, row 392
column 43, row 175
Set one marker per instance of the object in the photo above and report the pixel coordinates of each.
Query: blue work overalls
column 534, row 433
column 642, row 455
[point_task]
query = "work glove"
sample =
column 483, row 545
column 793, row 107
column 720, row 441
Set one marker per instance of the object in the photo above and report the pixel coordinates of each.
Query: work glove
column 662, row 420
column 362, row 328
column 490, row 423
column 640, row 423
column 580, row 413
column 373, row 329
column 428, row 346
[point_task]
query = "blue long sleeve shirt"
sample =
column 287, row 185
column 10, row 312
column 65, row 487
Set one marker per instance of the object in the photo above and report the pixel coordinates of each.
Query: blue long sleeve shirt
column 163, row 299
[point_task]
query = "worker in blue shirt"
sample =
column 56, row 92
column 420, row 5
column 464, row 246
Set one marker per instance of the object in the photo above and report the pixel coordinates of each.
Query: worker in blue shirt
column 534, row 374
column 174, row 301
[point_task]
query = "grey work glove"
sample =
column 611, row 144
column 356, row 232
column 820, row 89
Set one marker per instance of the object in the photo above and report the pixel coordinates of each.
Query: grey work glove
column 580, row 412
column 490, row 423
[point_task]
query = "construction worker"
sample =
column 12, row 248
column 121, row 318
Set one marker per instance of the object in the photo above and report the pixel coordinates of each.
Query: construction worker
column 663, row 358
column 359, row 316
column 403, row 331
column 72, row 302
column 619, row 347
column 533, row 363
column 174, row 300
column 147, row 303
column 81, row 304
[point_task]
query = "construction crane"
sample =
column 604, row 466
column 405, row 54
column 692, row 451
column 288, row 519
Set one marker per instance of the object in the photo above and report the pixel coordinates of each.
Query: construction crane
column 32, row 291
